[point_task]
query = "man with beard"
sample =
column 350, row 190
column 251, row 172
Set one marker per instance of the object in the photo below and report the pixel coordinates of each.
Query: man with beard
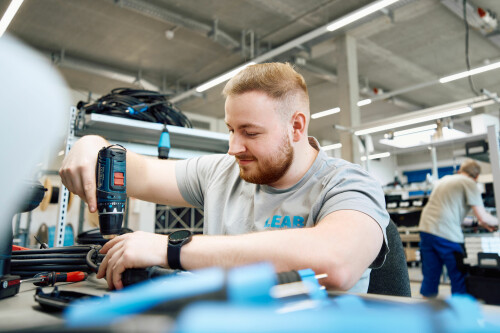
column 275, row 196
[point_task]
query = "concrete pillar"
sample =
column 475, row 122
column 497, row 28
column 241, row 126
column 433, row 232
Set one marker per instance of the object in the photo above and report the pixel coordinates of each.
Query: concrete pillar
column 348, row 95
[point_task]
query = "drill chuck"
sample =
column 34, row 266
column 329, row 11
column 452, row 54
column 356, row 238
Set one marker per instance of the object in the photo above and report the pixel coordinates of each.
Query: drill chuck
column 111, row 189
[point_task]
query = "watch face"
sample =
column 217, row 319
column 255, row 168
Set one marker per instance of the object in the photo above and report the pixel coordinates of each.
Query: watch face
column 179, row 236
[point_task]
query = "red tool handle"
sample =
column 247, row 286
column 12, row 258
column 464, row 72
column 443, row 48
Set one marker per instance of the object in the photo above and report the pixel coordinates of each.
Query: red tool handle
column 71, row 277
column 49, row 279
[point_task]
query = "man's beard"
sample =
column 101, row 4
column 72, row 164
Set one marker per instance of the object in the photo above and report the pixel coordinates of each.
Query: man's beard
column 271, row 169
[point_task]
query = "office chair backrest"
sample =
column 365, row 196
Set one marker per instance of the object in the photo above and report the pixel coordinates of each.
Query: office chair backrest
column 392, row 278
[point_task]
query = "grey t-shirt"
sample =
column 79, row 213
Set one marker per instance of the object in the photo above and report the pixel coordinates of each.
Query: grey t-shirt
column 450, row 201
column 233, row 206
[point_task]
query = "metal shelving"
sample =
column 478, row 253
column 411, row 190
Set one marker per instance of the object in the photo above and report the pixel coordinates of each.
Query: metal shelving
column 141, row 137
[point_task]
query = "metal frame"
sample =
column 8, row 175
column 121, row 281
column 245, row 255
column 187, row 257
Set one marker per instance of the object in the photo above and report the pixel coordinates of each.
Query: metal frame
column 186, row 142
column 495, row 162
column 169, row 219
column 64, row 193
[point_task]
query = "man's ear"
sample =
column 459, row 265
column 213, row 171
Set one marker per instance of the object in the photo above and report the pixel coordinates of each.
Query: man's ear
column 298, row 125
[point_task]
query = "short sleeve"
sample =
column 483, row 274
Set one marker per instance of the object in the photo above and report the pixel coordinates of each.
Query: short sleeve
column 472, row 193
column 193, row 177
column 351, row 188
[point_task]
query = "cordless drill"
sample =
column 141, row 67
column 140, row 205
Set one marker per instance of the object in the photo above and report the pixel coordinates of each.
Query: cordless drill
column 111, row 189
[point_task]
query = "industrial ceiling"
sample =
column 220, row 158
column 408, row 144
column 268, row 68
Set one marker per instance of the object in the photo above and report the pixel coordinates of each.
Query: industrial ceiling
column 175, row 45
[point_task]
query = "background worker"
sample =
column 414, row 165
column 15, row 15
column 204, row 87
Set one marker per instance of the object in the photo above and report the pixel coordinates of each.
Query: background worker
column 274, row 197
column 441, row 226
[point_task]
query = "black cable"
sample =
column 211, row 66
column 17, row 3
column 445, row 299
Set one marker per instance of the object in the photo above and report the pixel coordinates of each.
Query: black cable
column 65, row 249
column 138, row 104
column 62, row 259
column 32, row 270
column 91, row 259
column 49, row 261
column 467, row 60
column 47, row 256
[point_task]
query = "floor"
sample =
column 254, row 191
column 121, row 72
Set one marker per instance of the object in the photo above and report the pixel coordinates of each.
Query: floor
column 415, row 274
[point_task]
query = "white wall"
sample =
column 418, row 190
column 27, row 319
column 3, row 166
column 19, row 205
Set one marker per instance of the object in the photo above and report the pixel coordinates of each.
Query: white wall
column 383, row 170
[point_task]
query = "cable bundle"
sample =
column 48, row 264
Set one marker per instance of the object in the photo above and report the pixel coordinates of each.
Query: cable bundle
column 145, row 105
column 85, row 258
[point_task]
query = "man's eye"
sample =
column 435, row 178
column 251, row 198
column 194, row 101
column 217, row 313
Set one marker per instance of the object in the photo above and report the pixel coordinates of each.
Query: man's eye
column 251, row 134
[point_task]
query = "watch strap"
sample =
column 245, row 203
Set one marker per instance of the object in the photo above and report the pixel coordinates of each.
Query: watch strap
column 174, row 256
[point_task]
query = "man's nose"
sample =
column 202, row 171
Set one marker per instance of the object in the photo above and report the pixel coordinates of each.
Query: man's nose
column 236, row 145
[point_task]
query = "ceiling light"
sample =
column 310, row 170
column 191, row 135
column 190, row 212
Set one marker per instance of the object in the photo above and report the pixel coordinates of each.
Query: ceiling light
column 9, row 15
column 470, row 73
column 364, row 102
column 331, row 147
column 365, row 11
column 423, row 138
column 415, row 130
column 223, row 77
column 416, row 120
column 61, row 153
column 325, row 113
column 375, row 156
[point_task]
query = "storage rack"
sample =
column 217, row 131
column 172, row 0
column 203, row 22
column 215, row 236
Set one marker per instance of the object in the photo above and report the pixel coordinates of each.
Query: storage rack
column 141, row 137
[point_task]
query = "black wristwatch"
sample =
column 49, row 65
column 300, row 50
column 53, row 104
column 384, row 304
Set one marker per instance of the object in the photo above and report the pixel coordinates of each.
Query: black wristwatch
column 175, row 241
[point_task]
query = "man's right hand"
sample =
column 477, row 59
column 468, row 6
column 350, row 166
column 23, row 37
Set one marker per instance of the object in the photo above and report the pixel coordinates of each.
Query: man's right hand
column 78, row 169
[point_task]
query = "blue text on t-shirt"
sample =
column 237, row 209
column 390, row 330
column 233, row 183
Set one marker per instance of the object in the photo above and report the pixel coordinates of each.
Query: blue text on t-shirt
column 278, row 221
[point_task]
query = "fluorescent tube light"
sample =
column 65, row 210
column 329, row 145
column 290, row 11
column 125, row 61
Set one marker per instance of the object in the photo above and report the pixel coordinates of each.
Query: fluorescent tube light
column 415, row 130
column 337, row 109
column 469, row 73
column 423, row 138
column 412, row 121
column 222, row 78
column 325, row 113
column 359, row 14
column 364, row 102
column 331, row 147
column 9, row 15
column 375, row 156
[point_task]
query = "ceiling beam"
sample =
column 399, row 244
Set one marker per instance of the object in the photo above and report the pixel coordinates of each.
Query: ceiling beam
column 162, row 14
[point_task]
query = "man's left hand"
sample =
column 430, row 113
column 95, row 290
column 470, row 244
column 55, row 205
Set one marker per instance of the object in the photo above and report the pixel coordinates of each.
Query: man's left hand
column 135, row 250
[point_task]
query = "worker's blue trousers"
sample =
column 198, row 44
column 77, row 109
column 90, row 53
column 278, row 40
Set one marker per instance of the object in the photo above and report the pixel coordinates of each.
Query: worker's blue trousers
column 435, row 252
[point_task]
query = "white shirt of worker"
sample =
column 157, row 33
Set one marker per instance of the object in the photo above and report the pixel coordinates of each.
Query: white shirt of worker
column 450, row 201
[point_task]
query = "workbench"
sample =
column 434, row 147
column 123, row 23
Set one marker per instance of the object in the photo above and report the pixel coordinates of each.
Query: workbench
column 22, row 313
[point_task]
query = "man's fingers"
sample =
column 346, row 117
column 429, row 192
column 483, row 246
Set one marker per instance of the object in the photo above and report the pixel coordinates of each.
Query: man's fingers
column 118, row 269
column 112, row 266
column 88, row 182
column 109, row 251
column 112, row 243
column 66, row 180
column 102, row 268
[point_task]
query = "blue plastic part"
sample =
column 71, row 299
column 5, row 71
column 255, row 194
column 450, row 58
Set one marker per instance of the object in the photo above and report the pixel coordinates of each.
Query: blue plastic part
column 307, row 274
column 220, row 317
column 464, row 315
column 69, row 237
column 141, row 297
column 308, row 277
column 251, row 284
column 164, row 140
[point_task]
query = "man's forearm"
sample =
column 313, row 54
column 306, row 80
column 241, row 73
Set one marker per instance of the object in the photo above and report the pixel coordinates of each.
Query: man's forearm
column 342, row 258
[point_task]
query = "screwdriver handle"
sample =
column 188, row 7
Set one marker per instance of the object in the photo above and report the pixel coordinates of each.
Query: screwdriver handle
column 71, row 277
column 51, row 278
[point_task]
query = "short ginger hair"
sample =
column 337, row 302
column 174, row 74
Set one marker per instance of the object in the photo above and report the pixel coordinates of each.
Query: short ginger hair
column 277, row 80
column 470, row 167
